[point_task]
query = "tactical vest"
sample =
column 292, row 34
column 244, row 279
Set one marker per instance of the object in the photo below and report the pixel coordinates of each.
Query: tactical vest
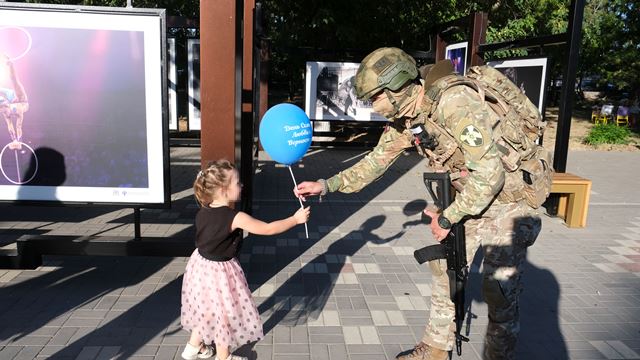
column 527, row 164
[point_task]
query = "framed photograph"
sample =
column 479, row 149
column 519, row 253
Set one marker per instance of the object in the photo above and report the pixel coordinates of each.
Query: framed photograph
column 331, row 94
column 193, row 48
column 529, row 74
column 171, row 86
column 457, row 53
column 82, row 99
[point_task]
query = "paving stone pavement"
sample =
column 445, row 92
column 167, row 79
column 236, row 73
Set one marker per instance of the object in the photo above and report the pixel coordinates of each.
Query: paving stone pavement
column 352, row 290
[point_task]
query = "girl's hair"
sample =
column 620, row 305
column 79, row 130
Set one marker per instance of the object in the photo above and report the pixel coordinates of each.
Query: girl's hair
column 216, row 176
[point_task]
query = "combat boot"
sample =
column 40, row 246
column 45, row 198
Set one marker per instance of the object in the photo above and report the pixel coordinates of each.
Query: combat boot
column 423, row 351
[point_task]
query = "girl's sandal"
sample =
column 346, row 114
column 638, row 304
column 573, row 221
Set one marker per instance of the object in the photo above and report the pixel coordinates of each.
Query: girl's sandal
column 197, row 352
column 206, row 352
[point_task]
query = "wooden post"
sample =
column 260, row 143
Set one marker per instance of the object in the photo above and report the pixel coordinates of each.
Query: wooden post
column 477, row 33
column 219, row 102
column 247, row 55
column 440, row 47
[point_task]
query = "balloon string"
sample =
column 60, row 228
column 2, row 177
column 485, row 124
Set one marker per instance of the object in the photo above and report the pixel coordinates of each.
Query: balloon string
column 306, row 230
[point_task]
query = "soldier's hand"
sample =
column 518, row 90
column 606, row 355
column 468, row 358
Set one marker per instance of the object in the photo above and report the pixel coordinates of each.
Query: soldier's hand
column 307, row 188
column 438, row 233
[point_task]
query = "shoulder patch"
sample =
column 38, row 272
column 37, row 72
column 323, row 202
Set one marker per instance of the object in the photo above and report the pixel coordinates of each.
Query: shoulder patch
column 474, row 139
column 471, row 136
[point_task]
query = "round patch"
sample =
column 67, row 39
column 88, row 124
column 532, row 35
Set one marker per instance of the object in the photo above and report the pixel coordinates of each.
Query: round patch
column 471, row 136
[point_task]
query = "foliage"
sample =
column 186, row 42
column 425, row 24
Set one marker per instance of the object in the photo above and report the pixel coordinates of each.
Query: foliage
column 520, row 19
column 339, row 30
column 608, row 134
column 611, row 43
column 299, row 30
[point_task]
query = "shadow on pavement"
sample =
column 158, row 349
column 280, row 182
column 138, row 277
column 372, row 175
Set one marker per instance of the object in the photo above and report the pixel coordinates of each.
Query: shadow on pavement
column 540, row 334
column 79, row 293
column 303, row 296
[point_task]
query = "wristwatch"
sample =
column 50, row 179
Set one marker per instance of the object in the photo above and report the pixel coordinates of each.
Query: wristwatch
column 444, row 223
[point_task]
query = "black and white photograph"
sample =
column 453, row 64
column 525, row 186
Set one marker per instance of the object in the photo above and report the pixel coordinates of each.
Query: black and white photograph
column 330, row 89
column 457, row 53
column 193, row 46
column 528, row 74
column 172, row 95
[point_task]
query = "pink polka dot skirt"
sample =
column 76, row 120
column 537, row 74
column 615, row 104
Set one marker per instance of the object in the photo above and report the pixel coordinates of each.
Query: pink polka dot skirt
column 217, row 302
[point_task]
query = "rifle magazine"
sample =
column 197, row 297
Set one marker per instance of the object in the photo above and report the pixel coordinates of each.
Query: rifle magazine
column 429, row 253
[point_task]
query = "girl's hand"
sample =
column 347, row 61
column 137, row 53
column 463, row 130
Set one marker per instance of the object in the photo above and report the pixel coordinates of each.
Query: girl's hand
column 302, row 215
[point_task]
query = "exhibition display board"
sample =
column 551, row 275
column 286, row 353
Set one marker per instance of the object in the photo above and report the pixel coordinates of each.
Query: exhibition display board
column 83, row 96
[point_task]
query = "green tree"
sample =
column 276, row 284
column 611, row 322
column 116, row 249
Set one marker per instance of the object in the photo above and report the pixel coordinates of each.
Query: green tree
column 346, row 30
column 611, row 46
column 333, row 30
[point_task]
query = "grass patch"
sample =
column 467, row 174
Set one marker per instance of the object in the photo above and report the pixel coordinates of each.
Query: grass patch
column 608, row 134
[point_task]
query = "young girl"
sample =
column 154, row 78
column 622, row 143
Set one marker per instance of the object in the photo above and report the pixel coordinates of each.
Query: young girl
column 216, row 302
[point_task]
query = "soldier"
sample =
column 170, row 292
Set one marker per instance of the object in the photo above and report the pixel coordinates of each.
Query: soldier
column 454, row 127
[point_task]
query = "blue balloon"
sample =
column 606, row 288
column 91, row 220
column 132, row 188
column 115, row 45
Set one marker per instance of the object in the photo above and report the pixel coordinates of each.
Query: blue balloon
column 285, row 133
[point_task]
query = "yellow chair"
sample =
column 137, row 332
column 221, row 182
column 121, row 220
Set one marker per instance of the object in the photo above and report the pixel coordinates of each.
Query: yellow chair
column 606, row 114
column 622, row 119
column 622, row 115
column 594, row 115
column 602, row 119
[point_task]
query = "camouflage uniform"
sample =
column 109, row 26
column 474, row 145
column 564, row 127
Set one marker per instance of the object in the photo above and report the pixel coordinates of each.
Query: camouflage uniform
column 463, row 126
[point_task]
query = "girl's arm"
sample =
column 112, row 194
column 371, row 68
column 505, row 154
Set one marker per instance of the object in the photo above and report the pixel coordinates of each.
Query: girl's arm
column 245, row 222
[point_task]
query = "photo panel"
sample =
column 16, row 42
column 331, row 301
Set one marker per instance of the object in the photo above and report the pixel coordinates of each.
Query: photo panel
column 193, row 48
column 527, row 74
column 81, row 101
column 457, row 53
column 171, row 85
column 330, row 93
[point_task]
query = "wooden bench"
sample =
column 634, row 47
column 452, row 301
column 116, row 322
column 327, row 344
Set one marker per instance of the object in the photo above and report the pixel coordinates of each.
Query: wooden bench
column 574, row 198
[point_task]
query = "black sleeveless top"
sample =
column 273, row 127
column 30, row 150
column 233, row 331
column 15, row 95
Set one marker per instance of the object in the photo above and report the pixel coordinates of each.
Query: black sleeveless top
column 214, row 238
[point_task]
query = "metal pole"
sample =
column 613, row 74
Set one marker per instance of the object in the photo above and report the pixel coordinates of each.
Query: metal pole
column 129, row 4
column 239, row 114
column 136, row 223
column 574, row 36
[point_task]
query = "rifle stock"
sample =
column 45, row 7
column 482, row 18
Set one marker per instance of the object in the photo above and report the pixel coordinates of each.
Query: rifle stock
column 452, row 248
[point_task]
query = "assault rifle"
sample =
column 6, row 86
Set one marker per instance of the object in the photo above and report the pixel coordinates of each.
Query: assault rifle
column 451, row 248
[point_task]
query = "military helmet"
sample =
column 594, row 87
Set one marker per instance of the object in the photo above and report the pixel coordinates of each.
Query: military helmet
column 385, row 68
